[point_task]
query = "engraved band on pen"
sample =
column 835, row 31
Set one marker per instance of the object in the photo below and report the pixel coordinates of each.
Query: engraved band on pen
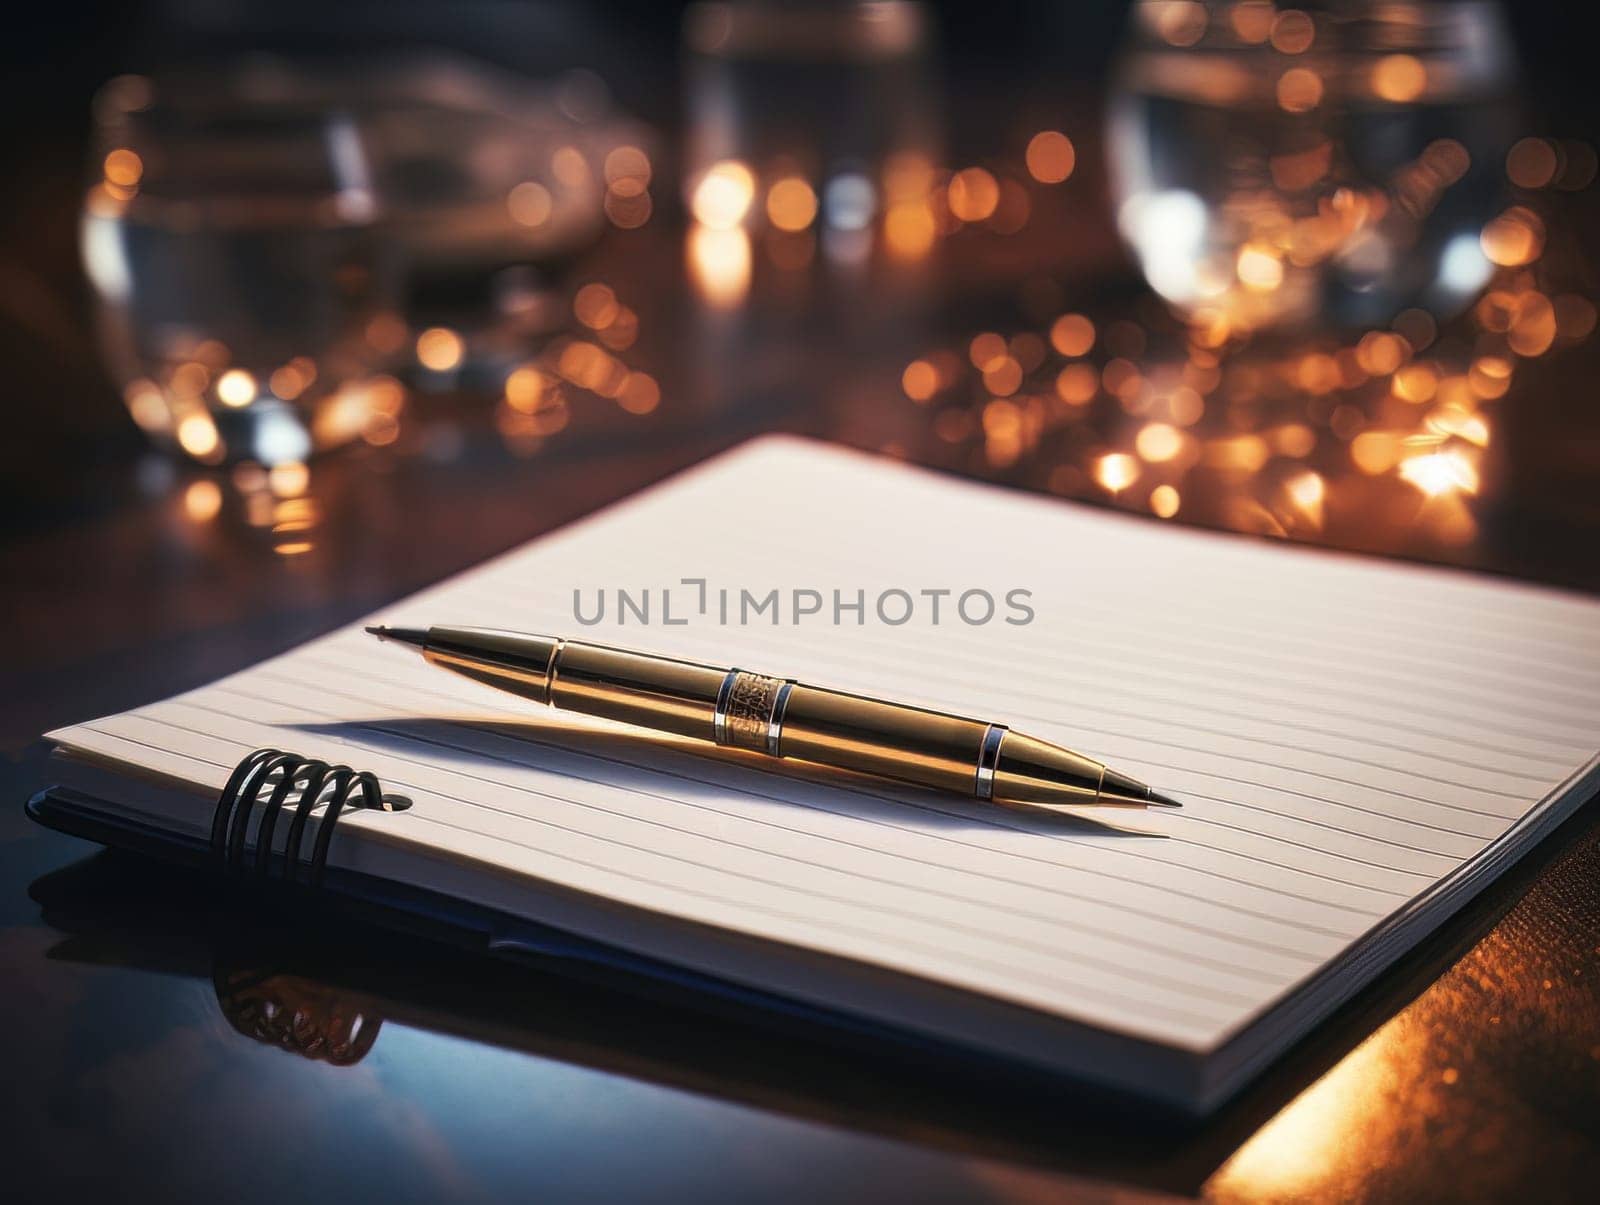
column 719, row 717
column 988, row 759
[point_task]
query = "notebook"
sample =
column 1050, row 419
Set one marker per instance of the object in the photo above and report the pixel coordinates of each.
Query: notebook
column 1359, row 748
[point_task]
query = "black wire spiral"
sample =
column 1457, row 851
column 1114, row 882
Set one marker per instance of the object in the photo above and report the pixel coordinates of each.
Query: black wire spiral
column 311, row 783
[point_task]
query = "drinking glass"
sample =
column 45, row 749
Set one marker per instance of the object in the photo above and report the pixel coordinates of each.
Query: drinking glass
column 1332, row 162
column 233, row 236
column 810, row 174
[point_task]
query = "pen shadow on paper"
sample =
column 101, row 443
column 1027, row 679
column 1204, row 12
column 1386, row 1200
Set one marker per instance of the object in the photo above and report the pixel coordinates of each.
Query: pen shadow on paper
column 652, row 762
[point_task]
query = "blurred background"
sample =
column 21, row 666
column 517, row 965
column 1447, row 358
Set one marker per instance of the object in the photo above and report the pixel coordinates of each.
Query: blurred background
column 304, row 305
column 290, row 289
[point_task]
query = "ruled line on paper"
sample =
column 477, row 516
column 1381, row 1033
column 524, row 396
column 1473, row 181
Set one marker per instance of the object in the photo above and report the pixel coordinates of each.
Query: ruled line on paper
column 512, row 712
column 1364, row 914
column 366, row 672
column 371, row 663
column 1210, row 669
column 1272, row 757
column 1014, row 676
column 642, row 765
column 1397, row 612
column 1351, row 578
column 1375, row 639
column 1022, row 971
column 996, row 933
column 1196, row 898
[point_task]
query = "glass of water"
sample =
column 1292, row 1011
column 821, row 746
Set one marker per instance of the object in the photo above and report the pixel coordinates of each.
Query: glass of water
column 1331, row 162
column 233, row 236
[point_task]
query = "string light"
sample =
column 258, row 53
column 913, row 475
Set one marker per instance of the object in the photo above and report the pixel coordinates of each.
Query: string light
column 909, row 229
column 720, row 263
column 123, row 168
column 920, row 380
column 1293, row 32
column 1436, row 473
column 627, row 167
column 530, row 203
column 639, row 393
column 1072, row 335
column 197, row 435
column 973, row 194
column 202, row 500
column 595, row 305
column 236, row 388
column 723, row 195
column 1050, row 157
column 1116, row 471
column 1299, row 90
column 791, row 204
column 1399, row 78
column 439, row 349
column 1158, row 442
column 1532, row 163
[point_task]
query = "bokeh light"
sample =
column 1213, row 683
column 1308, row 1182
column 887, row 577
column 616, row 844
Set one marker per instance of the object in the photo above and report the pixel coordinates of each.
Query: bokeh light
column 530, row 203
column 439, row 349
column 973, row 194
column 791, row 204
column 723, row 196
column 1050, row 157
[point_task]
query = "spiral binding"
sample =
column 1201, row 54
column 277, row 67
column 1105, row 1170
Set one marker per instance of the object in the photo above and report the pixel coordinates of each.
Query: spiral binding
column 312, row 783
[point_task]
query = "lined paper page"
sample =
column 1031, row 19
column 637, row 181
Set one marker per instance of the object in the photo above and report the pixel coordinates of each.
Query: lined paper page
column 1344, row 735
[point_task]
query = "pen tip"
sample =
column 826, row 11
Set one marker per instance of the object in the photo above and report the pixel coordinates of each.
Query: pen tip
column 417, row 637
column 1158, row 800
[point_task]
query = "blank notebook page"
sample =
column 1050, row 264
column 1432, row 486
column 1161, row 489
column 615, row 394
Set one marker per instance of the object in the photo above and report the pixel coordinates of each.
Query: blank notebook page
column 1345, row 735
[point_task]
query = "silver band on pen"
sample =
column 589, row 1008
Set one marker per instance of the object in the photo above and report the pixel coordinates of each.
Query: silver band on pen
column 988, row 760
column 775, row 723
column 719, row 716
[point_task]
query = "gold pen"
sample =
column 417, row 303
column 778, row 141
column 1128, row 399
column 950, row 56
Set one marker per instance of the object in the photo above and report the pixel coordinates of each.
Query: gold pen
column 781, row 718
